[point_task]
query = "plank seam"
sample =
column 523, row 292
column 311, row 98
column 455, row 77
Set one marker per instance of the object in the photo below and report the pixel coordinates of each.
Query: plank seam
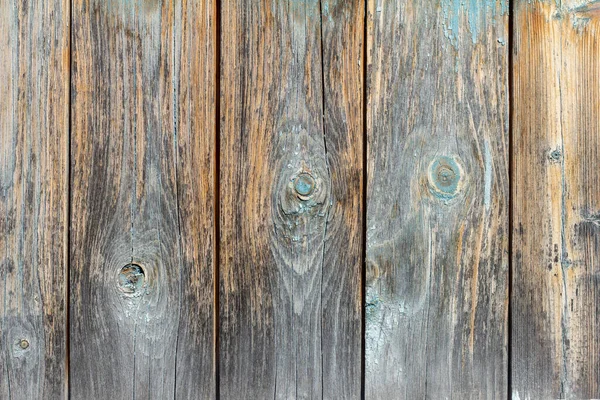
column 363, row 289
column 329, row 175
column 217, row 199
column 68, row 214
column 176, row 80
column 509, row 354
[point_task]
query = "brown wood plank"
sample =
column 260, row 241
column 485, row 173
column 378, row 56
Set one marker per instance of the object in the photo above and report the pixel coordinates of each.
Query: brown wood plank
column 195, row 97
column 437, row 200
column 556, row 289
column 34, row 130
column 142, row 200
column 291, row 202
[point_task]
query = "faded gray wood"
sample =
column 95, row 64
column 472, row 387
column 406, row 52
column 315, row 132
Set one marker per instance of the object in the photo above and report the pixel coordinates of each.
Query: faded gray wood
column 142, row 191
column 291, row 199
column 34, row 118
column 437, row 200
column 556, row 231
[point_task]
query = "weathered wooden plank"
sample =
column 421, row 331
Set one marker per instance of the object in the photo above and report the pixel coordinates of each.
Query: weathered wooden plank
column 34, row 129
column 556, row 289
column 142, row 200
column 195, row 97
column 343, row 45
column 291, row 141
column 437, row 200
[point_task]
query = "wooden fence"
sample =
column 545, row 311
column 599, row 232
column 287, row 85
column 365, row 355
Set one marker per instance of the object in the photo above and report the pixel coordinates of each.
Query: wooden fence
column 338, row 199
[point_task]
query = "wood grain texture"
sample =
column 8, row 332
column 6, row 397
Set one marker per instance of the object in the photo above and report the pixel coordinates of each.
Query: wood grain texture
column 195, row 98
column 34, row 130
column 437, row 200
column 556, row 285
column 142, row 193
column 291, row 199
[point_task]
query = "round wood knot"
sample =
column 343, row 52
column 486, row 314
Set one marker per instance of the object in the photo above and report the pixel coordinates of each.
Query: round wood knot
column 445, row 176
column 131, row 280
column 304, row 185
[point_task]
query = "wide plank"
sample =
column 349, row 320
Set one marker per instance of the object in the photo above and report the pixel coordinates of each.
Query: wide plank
column 291, row 199
column 556, row 209
column 437, row 200
column 34, row 165
column 142, row 190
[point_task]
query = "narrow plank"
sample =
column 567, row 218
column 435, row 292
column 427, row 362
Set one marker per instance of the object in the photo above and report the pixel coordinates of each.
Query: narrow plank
column 556, row 289
column 437, row 200
column 34, row 131
column 195, row 97
column 142, row 198
column 291, row 140
column 343, row 45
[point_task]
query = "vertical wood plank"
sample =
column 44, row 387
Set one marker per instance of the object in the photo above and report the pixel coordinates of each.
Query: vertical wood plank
column 34, row 130
column 291, row 140
column 343, row 41
column 556, row 289
column 142, row 199
column 195, row 134
column 437, row 200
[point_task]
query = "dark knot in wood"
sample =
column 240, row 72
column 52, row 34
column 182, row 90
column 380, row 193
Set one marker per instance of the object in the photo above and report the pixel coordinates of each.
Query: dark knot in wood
column 131, row 280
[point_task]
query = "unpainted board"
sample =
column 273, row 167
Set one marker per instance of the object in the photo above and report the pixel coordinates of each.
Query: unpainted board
column 437, row 200
column 142, row 194
column 556, row 285
column 34, row 131
column 291, row 199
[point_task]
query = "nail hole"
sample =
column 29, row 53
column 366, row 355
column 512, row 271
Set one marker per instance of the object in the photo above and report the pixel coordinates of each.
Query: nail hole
column 131, row 279
column 304, row 185
column 555, row 155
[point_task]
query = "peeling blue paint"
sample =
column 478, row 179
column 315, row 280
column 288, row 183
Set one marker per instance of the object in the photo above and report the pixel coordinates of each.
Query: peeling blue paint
column 582, row 15
column 326, row 8
column 131, row 11
column 477, row 13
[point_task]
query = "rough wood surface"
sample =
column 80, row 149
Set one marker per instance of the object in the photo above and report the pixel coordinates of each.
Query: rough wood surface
column 291, row 199
column 195, row 134
column 34, row 129
column 437, row 200
column 142, row 200
column 556, row 285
